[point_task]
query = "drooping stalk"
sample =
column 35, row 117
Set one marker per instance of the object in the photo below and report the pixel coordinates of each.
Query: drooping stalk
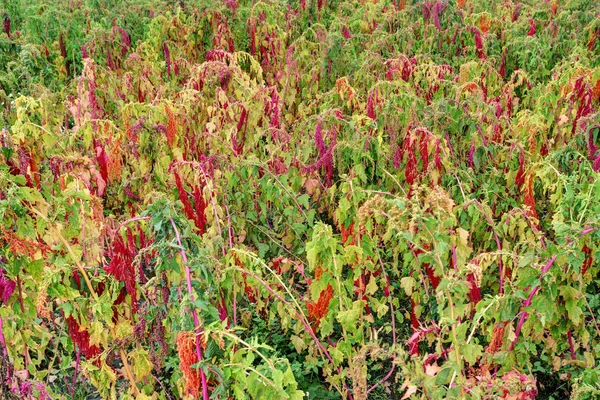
column 188, row 278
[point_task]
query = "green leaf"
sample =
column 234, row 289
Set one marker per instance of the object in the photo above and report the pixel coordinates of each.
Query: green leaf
column 348, row 318
column 298, row 343
column 574, row 311
column 471, row 352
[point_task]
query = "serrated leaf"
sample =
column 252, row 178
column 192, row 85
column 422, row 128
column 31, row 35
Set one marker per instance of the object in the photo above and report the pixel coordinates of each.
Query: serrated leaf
column 142, row 366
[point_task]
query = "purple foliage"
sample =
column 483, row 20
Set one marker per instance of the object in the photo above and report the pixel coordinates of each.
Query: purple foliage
column 346, row 32
column 426, row 9
column 274, row 109
column 109, row 59
column 325, row 160
column 438, row 7
column 232, row 4
column 125, row 41
column 370, row 104
column 478, row 42
column 7, row 286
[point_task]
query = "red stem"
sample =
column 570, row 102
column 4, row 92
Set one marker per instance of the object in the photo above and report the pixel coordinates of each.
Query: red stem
column 25, row 351
column 130, row 220
column 527, row 302
column 234, row 282
column 586, row 231
column 188, row 278
column 76, row 369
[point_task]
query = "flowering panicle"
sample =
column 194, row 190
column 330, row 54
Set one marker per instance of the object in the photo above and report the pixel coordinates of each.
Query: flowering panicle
column 325, row 160
column 438, row 8
column 171, row 126
column 529, row 199
column 186, row 349
column 122, row 265
column 167, row 57
column 478, row 42
column 497, row 339
column 81, row 338
column 531, row 27
column 319, row 309
column 196, row 213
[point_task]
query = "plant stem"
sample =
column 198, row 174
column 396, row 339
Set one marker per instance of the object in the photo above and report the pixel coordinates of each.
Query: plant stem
column 301, row 317
column 527, row 302
column 497, row 240
column 188, row 278
column 386, row 377
column 2, row 340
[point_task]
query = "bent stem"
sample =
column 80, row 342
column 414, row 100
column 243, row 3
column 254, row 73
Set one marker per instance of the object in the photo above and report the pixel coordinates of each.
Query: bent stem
column 188, row 278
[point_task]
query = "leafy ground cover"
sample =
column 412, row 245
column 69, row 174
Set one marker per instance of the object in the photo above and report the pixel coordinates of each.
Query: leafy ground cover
column 315, row 199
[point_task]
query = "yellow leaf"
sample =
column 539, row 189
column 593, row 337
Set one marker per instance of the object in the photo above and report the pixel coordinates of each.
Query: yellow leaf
column 432, row 369
column 142, row 366
column 409, row 392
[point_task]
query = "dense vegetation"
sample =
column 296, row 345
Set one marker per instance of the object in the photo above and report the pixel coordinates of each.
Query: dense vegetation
column 316, row 199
